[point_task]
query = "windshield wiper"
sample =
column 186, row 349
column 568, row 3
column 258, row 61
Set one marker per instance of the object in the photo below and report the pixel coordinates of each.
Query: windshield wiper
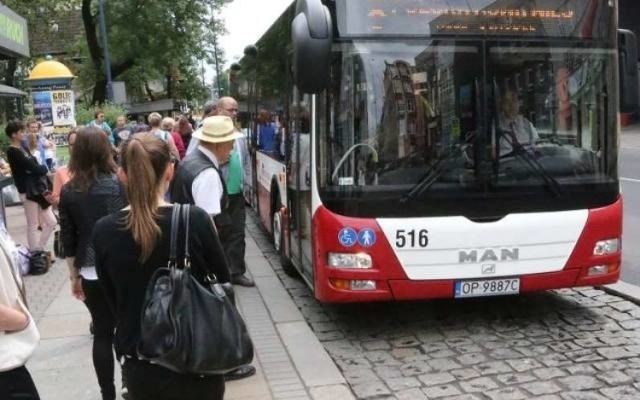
column 435, row 173
column 519, row 151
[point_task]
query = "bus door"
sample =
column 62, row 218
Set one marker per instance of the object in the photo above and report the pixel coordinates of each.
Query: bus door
column 300, row 183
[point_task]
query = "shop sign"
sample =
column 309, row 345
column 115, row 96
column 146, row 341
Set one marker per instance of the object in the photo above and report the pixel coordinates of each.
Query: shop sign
column 14, row 35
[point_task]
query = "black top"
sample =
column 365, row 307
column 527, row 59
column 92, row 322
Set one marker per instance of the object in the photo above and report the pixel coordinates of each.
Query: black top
column 23, row 164
column 79, row 212
column 125, row 280
column 188, row 170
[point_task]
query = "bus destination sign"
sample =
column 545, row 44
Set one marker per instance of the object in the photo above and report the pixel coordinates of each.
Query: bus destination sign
column 550, row 18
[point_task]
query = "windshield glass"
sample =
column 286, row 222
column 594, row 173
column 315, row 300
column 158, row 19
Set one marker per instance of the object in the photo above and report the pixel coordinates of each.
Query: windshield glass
column 467, row 128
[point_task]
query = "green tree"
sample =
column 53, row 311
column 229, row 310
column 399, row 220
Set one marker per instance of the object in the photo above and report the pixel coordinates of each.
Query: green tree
column 149, row 40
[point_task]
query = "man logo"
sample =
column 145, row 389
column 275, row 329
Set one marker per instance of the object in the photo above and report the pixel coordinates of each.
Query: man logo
column 488, row 269
column 488, row 255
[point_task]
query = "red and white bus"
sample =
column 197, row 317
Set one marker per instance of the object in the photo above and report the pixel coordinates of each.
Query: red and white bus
column 418, row 149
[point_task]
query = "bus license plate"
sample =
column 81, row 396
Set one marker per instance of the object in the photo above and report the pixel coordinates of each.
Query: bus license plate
column 487, row 287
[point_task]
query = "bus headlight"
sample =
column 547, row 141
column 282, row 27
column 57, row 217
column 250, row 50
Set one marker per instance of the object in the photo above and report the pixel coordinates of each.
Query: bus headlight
column 346, row 260
column 606, row 247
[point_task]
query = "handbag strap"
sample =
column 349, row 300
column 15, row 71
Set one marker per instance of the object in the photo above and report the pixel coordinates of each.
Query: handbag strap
column 173, row 243
column 185, row 220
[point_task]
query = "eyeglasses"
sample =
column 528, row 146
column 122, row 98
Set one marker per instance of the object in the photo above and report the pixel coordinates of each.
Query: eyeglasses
column 231, row 110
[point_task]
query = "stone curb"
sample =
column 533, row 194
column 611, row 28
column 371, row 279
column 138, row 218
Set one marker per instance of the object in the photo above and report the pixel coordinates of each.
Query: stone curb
column 625, row 290
column 319, row 374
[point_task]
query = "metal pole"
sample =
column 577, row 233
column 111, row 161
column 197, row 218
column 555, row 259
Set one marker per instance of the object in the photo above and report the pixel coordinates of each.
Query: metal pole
column 105, row 48
column 215, row 47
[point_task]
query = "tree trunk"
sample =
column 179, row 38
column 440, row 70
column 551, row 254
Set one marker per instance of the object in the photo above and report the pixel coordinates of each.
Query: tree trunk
column 100, row 90
column 169, row 86
column 89, row 21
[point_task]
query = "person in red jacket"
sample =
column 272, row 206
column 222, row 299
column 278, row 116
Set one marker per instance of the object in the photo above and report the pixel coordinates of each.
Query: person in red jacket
column 169, row 125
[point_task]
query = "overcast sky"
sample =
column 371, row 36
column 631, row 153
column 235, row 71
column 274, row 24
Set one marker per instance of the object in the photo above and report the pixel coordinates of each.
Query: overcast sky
column 246, row 21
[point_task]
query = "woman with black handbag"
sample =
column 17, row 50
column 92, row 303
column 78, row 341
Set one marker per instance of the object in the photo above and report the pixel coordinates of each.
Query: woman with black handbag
column 92, row 193
column 33, row 185
column 131, row 246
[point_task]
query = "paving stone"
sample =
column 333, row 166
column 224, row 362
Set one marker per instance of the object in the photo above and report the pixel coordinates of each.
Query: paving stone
column 554, row 360
column 610, row 365
column 443, row 364
column 541, row 388
column 415, row 368
column 376, row 345
column 401, row 383
column 621, row 393
column 465, row 373
column 407, row 341
column 405, row 352
column 580, row 382
column 493, row 367
column 614, row 353
column 549, row 373
column 515, row 379
column 506, row 394
column 440, row 391
column 411, row 394
column 463, row 397
column 616, row 378
column 585, row 355
column 478, row 385
column 437, row 378
column 359, row 376
column 471, row 359
column 582, row 396
column 581, row 369
column 370, row 390
column 524, row 364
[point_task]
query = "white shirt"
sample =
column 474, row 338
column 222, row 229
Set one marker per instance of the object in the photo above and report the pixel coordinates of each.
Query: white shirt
column 520, row 127
column 207, row 188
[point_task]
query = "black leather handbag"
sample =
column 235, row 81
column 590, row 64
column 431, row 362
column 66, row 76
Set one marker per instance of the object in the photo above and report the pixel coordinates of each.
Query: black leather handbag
column 188, row 326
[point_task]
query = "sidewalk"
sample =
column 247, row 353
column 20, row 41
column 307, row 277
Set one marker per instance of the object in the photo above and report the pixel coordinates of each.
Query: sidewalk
column 291, row 362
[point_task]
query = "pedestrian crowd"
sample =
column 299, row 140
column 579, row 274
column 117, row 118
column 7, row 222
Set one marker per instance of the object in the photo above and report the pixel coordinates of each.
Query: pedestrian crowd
column 125, row 234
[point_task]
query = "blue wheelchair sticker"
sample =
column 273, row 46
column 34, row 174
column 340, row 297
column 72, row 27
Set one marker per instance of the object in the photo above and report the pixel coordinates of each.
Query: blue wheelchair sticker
column 347, row 237
column 367, row 237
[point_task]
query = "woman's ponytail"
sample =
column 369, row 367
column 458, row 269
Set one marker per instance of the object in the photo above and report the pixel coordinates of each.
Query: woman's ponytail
column 144, row 160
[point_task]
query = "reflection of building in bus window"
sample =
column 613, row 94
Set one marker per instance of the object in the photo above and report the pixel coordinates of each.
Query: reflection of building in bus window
column 513, row 127
column 564, row 98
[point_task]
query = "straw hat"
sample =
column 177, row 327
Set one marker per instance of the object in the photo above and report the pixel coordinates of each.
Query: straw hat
column 217, row 129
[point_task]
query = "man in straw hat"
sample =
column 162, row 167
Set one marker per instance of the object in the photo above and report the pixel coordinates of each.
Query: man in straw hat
column 199, row 181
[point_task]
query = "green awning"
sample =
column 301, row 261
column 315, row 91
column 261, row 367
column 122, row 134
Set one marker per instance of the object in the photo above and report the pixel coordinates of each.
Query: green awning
column 8, row 91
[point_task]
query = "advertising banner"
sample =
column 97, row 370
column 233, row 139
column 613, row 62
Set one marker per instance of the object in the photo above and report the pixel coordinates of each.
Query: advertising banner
column 63, row 109
column 42, row 108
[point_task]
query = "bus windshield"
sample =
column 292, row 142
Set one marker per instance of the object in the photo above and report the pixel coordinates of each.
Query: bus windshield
column 474, row 128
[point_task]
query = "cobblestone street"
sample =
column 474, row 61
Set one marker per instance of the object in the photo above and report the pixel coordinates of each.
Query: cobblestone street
column 563, row 345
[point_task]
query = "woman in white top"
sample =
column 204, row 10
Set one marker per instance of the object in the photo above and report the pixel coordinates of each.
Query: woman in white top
column 18, row 333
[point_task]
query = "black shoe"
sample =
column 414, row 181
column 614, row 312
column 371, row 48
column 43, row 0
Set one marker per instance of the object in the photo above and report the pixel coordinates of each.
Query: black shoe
column 240, row 373
column 242, row 280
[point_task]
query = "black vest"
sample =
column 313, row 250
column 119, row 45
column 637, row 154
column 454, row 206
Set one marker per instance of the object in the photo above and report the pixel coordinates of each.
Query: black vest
column 187, row 172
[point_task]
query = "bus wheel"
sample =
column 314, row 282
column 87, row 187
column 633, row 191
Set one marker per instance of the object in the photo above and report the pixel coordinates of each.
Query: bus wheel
column 279, row 244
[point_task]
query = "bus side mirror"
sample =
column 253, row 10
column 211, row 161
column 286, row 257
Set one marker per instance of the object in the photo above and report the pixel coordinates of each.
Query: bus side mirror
column 628, row 62
column 311, row 34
